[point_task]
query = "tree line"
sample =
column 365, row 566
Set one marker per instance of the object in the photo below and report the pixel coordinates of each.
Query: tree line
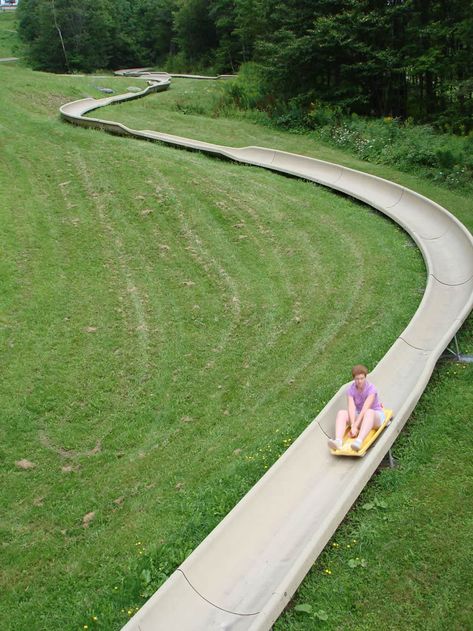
column 399, row 58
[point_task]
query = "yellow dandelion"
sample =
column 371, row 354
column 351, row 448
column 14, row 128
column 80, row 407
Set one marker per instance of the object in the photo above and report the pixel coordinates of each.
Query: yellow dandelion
column 94, row 618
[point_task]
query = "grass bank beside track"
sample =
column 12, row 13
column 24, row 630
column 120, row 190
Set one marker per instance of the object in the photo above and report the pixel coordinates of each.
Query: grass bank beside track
column 169, row 324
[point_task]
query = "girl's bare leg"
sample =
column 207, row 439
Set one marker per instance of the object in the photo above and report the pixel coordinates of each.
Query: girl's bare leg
column 367, row 424
column 341, row 424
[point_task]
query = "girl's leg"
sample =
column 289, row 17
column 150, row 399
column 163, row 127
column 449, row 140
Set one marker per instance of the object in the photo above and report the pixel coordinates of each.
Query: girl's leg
column 370, row 420
column 341, row 423
column 340, row 427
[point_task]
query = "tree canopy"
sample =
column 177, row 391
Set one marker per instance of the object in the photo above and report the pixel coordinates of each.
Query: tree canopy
column 399, row 58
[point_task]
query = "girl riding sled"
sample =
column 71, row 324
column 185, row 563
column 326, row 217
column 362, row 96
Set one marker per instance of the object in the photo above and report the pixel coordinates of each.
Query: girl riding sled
column 364, row 412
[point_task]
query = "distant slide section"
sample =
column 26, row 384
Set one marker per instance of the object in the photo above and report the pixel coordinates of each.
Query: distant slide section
column 244, row 573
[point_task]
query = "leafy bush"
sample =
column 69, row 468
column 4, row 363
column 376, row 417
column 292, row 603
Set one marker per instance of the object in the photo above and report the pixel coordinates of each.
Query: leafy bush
column 321, row 115
column 440, row 157
column 248, row 90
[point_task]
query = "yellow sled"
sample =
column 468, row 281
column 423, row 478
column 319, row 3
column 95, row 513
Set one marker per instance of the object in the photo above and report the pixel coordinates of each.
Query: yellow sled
column 346, row 449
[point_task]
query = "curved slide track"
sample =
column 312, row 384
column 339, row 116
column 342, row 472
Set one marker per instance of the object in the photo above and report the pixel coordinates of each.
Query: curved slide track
column 245, row 572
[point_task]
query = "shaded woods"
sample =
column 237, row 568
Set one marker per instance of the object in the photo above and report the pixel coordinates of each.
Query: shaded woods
column 397, row 58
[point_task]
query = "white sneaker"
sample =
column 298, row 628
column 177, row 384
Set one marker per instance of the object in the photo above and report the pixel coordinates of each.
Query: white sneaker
column 335, row 443
column 356, row 444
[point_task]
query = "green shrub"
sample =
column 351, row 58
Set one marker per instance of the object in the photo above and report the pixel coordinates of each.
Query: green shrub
column 322, row 115
column 439, row 156
column 248, row 90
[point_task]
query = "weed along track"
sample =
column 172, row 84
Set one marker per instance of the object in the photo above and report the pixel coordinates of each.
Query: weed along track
column 245, row 572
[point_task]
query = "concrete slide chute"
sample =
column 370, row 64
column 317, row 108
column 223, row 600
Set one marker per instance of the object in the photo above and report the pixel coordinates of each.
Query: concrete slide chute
column 244, row 573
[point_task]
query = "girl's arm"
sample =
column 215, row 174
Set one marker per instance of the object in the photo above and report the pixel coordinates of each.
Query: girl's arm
column 351, row 410
column 366, row 406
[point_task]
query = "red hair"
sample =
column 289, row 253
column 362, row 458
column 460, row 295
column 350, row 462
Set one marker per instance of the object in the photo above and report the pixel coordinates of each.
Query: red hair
column 359, row 369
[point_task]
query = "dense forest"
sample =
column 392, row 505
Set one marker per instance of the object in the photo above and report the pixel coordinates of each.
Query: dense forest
column 393, row 58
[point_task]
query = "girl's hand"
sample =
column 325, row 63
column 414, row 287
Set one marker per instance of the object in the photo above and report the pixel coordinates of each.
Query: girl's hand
column 354, row 431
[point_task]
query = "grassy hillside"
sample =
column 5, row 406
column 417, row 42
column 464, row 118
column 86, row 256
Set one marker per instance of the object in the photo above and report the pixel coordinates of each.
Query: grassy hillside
column 169, row 324
column 8, row 35
column 161, row 310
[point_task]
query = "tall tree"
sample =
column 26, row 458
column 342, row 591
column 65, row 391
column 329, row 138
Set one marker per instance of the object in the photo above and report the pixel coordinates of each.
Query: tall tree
column 65, row 34
column 196, row 35
column 228, row 49
column 155, row 30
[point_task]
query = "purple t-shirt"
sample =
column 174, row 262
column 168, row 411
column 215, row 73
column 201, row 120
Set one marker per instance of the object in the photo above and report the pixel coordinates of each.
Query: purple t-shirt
column 360, row 397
